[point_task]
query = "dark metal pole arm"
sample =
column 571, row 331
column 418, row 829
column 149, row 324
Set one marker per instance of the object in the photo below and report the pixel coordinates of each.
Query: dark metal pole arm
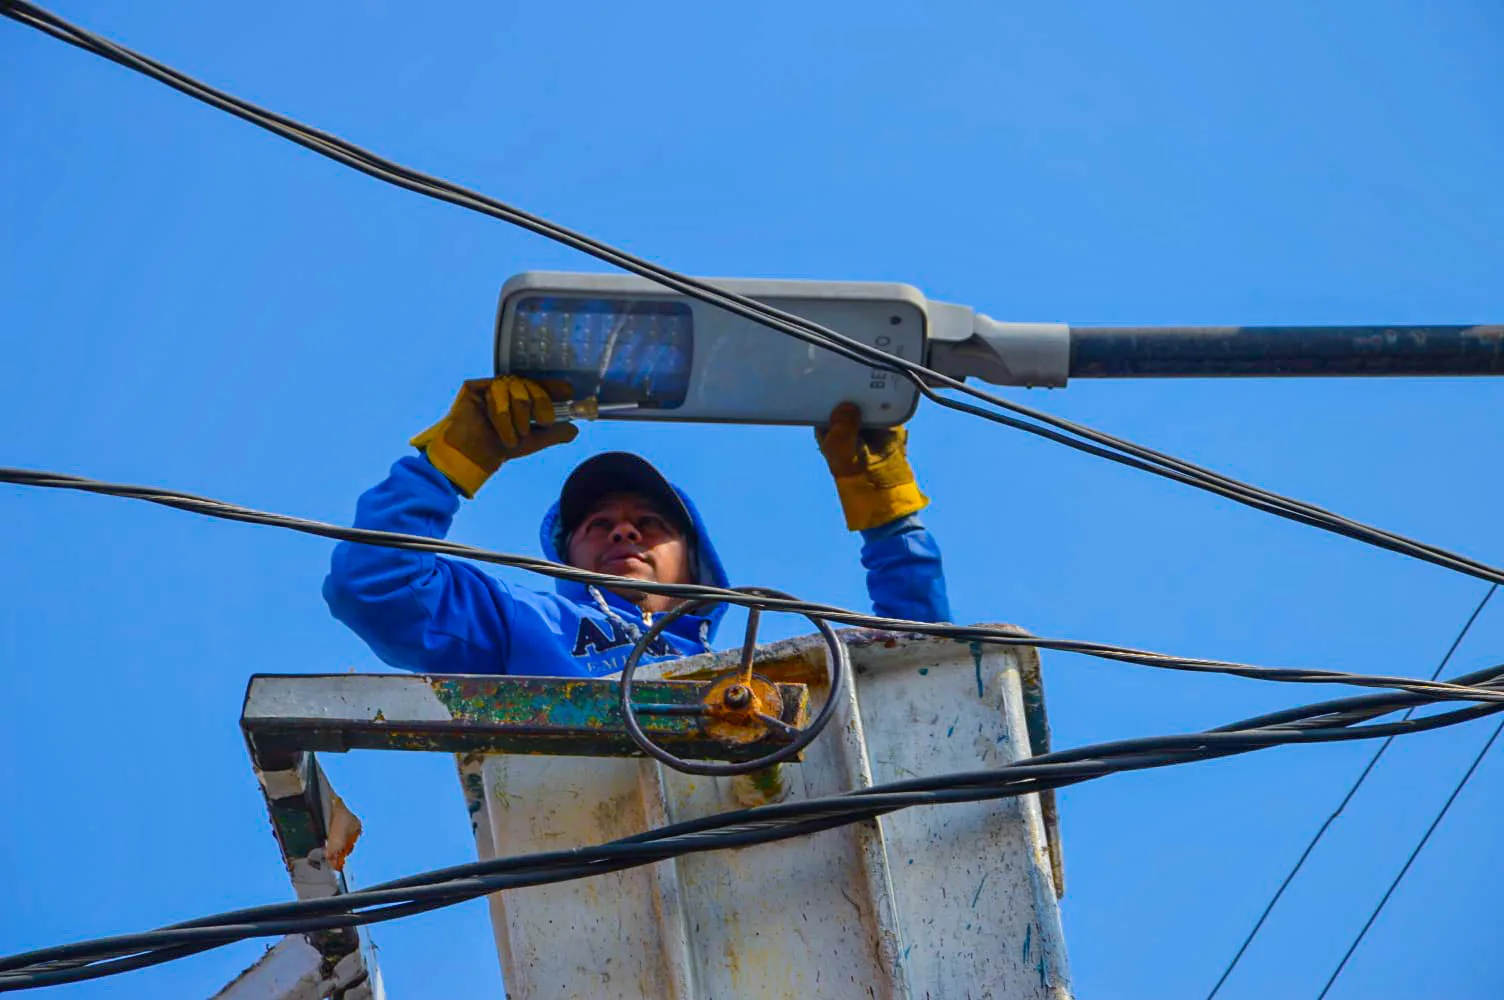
column 1276, row 351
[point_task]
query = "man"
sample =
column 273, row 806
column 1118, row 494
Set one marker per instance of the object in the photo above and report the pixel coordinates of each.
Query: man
column 617, row 515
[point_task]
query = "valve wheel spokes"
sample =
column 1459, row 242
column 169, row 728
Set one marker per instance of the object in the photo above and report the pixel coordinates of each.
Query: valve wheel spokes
column 778, row 724
column 749, row 645
column 740, row 701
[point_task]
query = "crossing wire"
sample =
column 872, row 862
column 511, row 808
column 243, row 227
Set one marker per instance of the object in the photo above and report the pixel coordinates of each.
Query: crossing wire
column 1419, row 846
column 1258, row 924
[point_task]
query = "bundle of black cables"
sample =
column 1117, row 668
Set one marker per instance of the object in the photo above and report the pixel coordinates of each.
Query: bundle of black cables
column 1329, row 721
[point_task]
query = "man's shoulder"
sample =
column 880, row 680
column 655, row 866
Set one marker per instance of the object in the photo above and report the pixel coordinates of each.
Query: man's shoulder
column 550, row 607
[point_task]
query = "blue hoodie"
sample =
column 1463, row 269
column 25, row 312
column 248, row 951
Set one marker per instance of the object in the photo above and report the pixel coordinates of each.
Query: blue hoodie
column 431, row 614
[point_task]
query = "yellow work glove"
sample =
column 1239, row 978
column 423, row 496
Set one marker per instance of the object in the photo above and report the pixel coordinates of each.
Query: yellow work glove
column 871, row 469
column 494, row 420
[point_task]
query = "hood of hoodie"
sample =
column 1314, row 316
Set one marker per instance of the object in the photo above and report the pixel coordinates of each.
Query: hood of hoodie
column 708, row 570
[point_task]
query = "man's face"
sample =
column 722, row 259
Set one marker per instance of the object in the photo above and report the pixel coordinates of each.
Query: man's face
column 625, row 535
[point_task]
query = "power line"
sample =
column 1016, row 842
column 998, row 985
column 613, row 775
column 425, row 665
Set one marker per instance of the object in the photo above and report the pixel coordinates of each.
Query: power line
column 1321, row 832
column 1411, row 859
column 1027, row 419
column 1331, row 721
column 700, row 592
column 1384, row 900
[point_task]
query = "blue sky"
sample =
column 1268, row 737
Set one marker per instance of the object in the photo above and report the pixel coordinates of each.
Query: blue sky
column 189, row 302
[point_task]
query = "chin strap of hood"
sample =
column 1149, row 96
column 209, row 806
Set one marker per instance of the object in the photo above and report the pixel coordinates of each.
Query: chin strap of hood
column 633, row 628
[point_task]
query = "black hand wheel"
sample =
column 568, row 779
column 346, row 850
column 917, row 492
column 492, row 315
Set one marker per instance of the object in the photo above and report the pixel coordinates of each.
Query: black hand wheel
column 740, row 696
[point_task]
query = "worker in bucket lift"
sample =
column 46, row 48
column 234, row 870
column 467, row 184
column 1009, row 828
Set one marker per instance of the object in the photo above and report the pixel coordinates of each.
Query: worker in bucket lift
column 617, row 515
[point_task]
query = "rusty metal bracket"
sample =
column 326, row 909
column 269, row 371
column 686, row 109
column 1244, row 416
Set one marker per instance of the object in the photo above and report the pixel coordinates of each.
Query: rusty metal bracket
column 286, row 715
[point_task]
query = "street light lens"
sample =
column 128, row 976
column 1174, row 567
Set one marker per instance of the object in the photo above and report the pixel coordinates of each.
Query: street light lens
column 617, row 350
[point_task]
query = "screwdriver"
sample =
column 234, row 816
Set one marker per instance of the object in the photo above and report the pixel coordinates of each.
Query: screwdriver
column 588, row 409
